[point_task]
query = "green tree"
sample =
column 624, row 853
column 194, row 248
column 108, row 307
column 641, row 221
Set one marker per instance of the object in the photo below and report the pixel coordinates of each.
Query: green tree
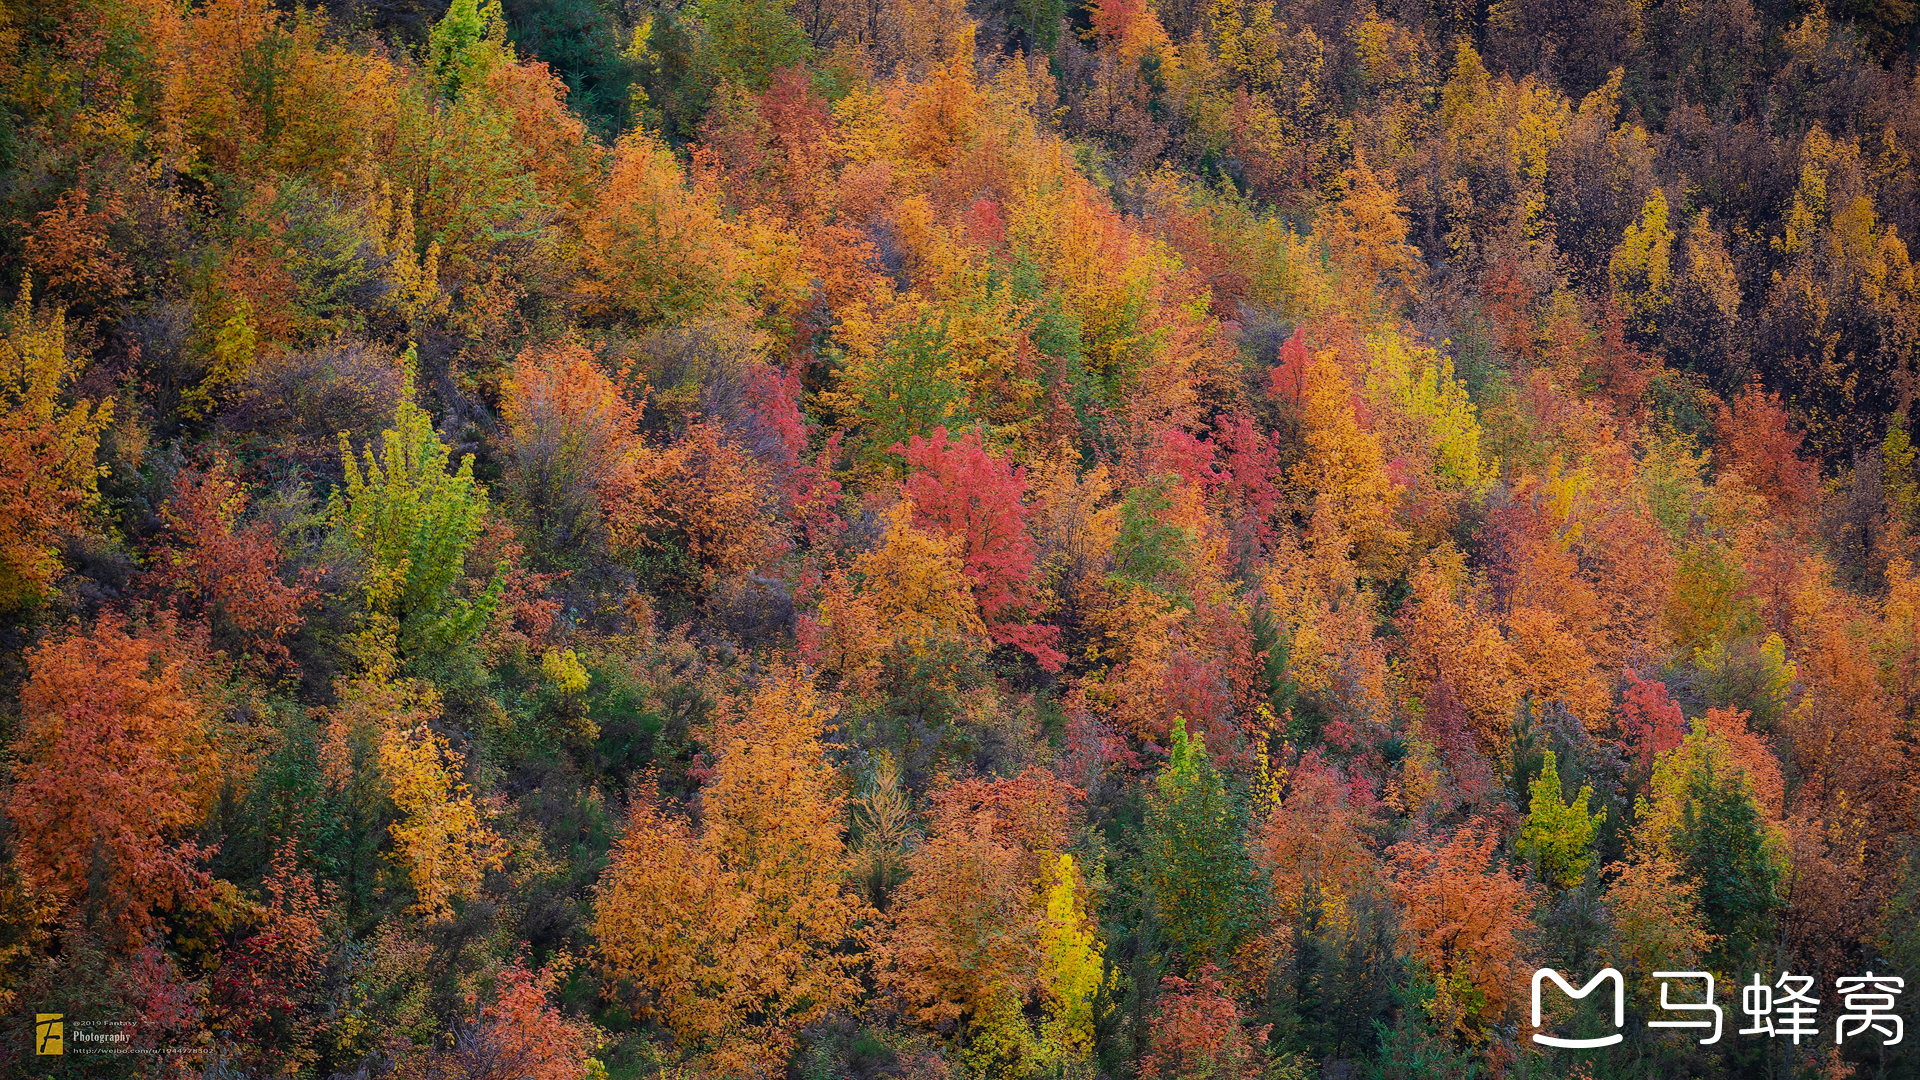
column 1556, row 836
column 913, row 390
column 1148, row 549
column 1032, row 25
column 582, row 41
column 1722, row 842
column 1900, row 481
column 1899, row 938
column 234, row 346
column 1198, row 880
column 745, row 41
column 411, row 523
column 455, row 48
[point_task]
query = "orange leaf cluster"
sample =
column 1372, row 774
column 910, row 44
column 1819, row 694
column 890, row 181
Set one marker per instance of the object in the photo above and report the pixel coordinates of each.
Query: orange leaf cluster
column 116, row 765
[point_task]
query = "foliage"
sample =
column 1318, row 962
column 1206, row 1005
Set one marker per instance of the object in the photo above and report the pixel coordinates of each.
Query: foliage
column 576, row 448
column 1650, row 719
column 411, row 523
column 651, row 248
column 747, row 40
column 909, row 594
column 1199, row 1032
column 116, row 766
column 1148, row 549
column 733, row 937
column 1463, row 917
column 48, row 476
column 521, row 1032
column 1196, row 876
column 440, row 838
column 269, row 986
column 454, row 47
column 1706, row 813
column 1657, row 916
column 1018, row 539
column 975, row 498
column 969, row 932
column 1072, row 972
column 226, row 569
column 1557, row 834
column 1642, row 266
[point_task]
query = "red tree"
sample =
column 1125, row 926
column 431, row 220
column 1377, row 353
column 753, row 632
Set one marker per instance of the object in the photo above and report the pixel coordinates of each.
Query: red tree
column 985, row 227
column 1650, row 722
column 113, row 769
column 1191, row 458
column 224, row 568
column 522, row 1034
column 1447, row 727
column 1253, row 471
column 967, row 493
column 265, row 989
column 1288, row 383
column 810, row 490
column 1752, row 440
column 1198, row 1031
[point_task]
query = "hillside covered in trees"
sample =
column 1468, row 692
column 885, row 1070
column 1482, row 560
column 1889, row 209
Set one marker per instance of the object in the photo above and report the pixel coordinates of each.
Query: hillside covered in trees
column 840, row 539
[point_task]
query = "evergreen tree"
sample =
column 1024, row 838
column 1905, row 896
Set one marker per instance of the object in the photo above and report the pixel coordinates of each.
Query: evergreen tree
column 1722, row 843
column 1148, row 549
column 1198, row 880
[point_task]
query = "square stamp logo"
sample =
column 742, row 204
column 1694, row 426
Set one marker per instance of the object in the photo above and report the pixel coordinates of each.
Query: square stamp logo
column 49, row 1033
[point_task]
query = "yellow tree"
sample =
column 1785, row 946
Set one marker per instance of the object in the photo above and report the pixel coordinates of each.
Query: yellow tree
column 1367, row 233
column 47, row 448
column 1642, row 266
column 1419, row 383
column 440, row 839
column 909, row 594
column 735, row 936
column 379, row 740
column 1071, row 969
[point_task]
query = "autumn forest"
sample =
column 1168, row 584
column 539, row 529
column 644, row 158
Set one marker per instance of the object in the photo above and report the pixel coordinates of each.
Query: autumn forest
column 957, row 539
